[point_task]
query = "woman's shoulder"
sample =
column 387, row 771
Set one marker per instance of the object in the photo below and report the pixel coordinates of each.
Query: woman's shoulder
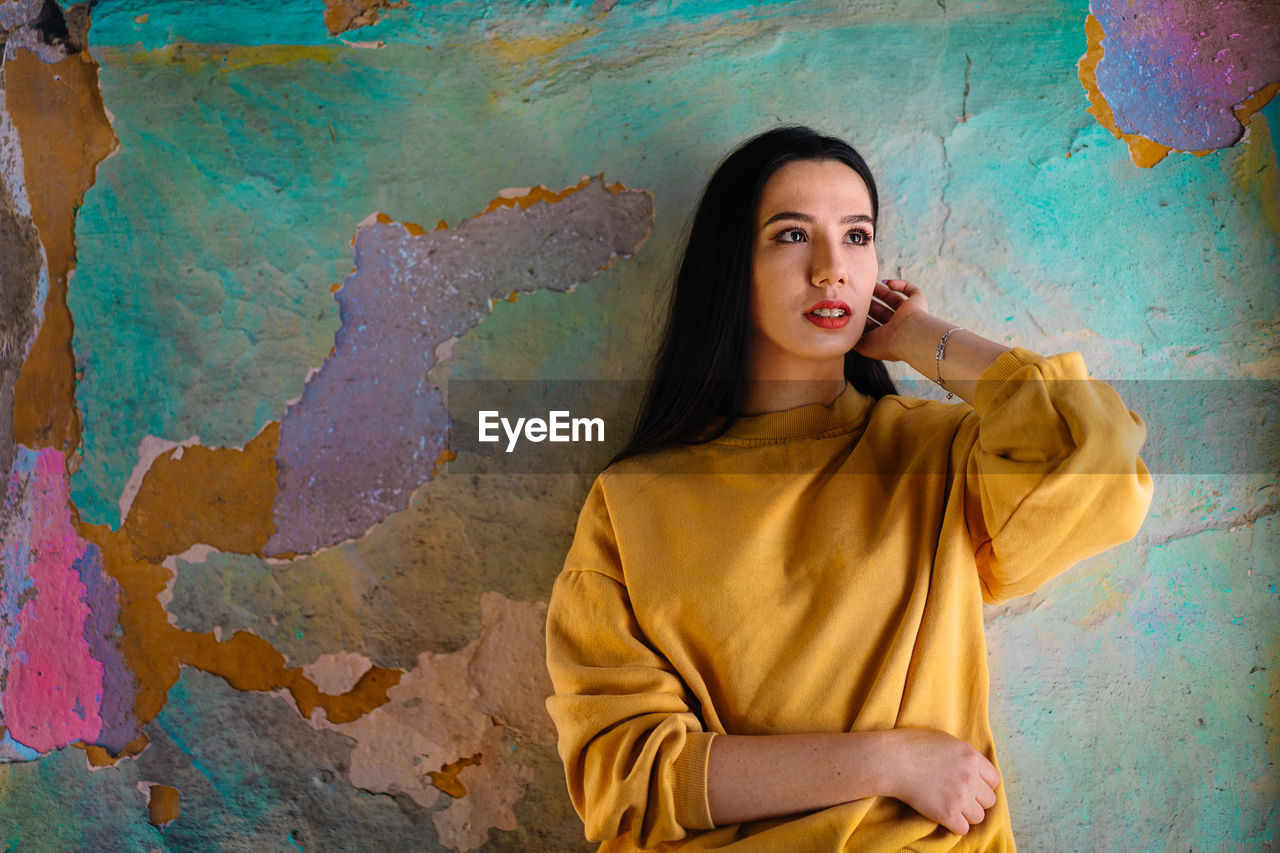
column 670, row 459
column 917, row 411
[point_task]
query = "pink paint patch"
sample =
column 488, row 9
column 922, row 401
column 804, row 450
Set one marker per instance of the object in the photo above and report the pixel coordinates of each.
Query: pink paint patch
column 53, row 693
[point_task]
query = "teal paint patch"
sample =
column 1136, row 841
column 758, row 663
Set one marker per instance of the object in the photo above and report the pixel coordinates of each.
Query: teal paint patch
column 252, row 170
column 235, row 592
column 1191, row 661
column 252, row 206
column 201, row 301
column 55, row 804
column 148, row 24
column 250, row 771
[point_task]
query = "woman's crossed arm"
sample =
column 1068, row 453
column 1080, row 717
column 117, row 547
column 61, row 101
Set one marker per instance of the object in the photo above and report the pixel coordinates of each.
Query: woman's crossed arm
column 753, row 777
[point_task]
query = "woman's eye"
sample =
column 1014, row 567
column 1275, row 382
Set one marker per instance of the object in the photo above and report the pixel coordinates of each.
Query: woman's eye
column 859, row 238
column 791, row 235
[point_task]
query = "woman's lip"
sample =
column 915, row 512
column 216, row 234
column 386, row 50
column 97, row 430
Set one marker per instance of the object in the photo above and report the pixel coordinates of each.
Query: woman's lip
column 830, row 303
column 828, row 322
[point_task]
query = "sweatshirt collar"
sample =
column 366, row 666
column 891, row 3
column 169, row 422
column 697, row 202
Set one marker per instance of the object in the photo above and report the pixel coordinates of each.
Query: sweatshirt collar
column 814, row 420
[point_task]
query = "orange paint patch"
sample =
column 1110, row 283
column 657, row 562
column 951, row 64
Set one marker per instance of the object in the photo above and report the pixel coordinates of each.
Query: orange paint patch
column 198, row 58
column 234, row 59
column 1256, row 102
column 154, row 649
column 446, row 779
column 446, row 456
column 343, row 15
column 99, row 757
column 222, row 497
column 525, row 199
column 162, row 805
column 248, row 662
column 64, row 132
column 518, row 51
column 1256, row 171
column 147, row 639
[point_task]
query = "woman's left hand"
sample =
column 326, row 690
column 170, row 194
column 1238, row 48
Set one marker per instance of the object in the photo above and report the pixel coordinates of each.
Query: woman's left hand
column 894, row 302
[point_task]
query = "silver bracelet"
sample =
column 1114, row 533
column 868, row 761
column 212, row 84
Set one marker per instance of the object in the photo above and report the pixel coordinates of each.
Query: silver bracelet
column 939, row 353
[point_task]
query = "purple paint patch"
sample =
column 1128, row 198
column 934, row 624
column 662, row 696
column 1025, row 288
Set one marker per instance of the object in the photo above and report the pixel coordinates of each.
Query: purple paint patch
column 369, row 426
column 102, row 595
column 52, row 686
column 1174, row 71
column 15, row 553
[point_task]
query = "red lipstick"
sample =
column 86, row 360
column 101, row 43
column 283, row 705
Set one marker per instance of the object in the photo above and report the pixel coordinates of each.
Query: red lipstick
column 833, row 320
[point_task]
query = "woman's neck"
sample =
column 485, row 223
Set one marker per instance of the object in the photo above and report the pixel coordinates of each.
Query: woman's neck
column 778, row 394
column 776, row 383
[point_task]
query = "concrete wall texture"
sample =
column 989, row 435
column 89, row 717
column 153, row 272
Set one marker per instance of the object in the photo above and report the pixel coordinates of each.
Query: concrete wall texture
column 247, row 601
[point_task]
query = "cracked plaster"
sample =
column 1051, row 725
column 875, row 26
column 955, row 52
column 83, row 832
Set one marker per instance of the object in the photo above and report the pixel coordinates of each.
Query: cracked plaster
column 1201, row 530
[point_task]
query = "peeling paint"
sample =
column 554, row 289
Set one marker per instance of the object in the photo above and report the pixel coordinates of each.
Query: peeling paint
column 446, row 778
column 260, row 690
column 343, row 15
column 24, row 282
column 1145, row 152
column 1183, row 76
column 148, row 449
column 62, row 124
column 43, row 28
column 162, row 803
column 493, row 788
column 154, row 648
column 341, row 470
column 451, row 708
column 102, row 594
column 171, row 511
column 252, row 775
column 53, row 683
column 337, row 673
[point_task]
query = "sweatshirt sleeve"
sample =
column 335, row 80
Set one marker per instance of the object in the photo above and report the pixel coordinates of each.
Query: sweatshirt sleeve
column 635, row 754
column 1052, row 473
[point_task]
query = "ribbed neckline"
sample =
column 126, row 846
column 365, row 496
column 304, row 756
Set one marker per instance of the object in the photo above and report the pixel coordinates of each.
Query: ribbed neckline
column 814, row 420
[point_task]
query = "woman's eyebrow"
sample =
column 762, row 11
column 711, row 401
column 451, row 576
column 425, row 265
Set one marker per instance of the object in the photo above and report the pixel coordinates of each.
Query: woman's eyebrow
column 804, row 217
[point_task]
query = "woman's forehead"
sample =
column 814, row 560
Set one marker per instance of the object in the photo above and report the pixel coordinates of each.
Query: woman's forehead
column 814, row 188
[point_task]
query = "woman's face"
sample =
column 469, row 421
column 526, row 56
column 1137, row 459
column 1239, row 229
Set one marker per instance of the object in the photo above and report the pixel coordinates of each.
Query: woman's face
column 813, row 269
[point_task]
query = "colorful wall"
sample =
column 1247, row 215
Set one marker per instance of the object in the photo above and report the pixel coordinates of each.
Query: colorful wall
column 254, row 597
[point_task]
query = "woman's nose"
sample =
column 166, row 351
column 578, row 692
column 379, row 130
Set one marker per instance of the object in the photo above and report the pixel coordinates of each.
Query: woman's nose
column 826, row 267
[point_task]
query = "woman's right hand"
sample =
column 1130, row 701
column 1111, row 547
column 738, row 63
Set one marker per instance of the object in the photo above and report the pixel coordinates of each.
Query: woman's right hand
column 942, row 777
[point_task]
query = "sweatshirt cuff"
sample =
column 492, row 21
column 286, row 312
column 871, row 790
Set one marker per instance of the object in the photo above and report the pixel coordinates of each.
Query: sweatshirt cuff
column 689, row 782
column 991, row 380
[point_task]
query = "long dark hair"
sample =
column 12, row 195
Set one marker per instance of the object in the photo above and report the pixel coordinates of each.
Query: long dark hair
column 697, row 387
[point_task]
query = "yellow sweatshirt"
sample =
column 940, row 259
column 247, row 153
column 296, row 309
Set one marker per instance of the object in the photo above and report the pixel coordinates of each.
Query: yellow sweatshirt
column 822, row 569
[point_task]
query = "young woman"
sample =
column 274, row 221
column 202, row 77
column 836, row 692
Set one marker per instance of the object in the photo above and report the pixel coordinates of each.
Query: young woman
column 768, row 632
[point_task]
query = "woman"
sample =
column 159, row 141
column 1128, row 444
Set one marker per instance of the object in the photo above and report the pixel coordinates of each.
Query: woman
column 768, row 631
